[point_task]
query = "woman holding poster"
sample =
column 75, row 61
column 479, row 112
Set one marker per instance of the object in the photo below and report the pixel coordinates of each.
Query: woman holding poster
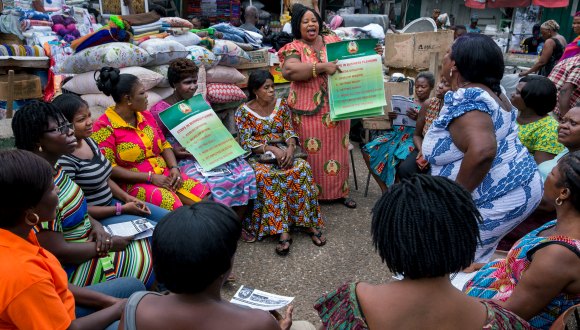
column 304, row 63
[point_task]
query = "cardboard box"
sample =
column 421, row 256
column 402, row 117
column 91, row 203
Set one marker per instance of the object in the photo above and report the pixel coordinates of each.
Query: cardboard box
column 412, row 50
column 26, row 86
column 276, row 71
column 258, row 59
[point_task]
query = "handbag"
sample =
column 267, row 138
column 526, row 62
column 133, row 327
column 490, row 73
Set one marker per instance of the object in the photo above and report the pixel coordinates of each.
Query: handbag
column 269, row 158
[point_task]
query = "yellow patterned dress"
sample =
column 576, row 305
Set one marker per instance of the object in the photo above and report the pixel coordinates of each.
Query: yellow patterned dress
column 541, row 135
column 139, row 149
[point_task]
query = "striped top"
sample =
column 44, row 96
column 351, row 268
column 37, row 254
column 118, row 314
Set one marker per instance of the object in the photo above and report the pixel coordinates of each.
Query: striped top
column 90, row 174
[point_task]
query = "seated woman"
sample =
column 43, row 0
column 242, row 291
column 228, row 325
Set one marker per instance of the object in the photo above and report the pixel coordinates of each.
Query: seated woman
column 143, row 163
column 425, row 118
column 235, row 189
column 194, row 250
column 383, row 155
column 286, row 190
column 548, row 256
column 89, row 168
column 35, row 293
column 425, row 245
column 89, row 254
column 535, row 97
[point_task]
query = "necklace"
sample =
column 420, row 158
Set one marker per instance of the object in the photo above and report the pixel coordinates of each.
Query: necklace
column 464, row 84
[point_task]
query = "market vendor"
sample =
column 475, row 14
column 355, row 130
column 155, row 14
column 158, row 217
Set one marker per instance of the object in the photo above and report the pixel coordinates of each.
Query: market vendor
column 251, row 16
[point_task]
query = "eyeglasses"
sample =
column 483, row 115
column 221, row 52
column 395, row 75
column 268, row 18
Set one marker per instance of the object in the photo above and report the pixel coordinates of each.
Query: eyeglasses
column 63, row 129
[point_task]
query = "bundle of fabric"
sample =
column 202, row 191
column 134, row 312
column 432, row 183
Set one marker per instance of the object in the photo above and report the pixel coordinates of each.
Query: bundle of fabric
column 116, row 31
column 176, row 22
column 114, row 54
column 144, row 25
column 148, row 36
column 65, row 27
column 22, row 50
column 253, row 38
column 230, row 32
column 141, row 19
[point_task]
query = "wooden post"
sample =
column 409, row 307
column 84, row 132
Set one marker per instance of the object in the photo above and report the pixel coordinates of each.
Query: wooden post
column 10, row 98
column 434, row 64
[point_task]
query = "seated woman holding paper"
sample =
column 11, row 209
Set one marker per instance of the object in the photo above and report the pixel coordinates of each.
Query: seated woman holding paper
column 35, row 292
column 88, row 253
column 383, row 154
column 89, row 168
column 194, row 249
column 143, row 163
column 236, row 188
column 438, row 238
column 286, row 190
column 540, row 277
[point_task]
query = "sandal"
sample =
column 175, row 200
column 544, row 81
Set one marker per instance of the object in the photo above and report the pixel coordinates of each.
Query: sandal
column 282, row 251
column 248, row 236
column 349, row 202
column 317, row 235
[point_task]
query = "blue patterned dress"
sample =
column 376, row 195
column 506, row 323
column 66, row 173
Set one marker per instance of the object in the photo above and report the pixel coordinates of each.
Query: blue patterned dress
column 511, row 190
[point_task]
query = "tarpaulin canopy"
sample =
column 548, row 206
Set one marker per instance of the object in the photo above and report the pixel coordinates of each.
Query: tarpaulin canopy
column 481, row 4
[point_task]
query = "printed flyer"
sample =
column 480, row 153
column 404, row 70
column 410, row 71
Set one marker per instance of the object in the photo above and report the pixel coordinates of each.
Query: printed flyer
column 357, row 90
column 200, row 131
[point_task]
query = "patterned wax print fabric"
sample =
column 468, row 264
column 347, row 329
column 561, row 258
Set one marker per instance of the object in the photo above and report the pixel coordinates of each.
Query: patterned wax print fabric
column 498, row 279
column 541, row 135
column 325, row 141
column 72, row 220
column 387, row 151
column 567, row 71
column 139, row 149
column 286, row 197
column 511, row 190
column 340, row 310
column 236, row 188
column 432, row 113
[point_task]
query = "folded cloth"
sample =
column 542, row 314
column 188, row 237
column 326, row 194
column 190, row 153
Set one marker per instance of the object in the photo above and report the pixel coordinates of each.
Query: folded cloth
column 177, row 22
column 142, row 19
column 246, row 47
column 109, row 33
column 229, row 29
column 138, row 39
column 33, row 14
column 254, row 39
column 35, row 22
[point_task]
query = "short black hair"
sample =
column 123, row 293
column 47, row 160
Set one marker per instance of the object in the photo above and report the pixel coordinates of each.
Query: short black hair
column 437, row 235
column 194, row 245
column 479, row 60
column 24, row 178
column 113, row 83
column 569, row 167
column 158, row 9
column 256, row 80
column 298, row 11
column 30, row 122
column 539, row 94
column 180, row 69
column 427, row 75
column 69, row 104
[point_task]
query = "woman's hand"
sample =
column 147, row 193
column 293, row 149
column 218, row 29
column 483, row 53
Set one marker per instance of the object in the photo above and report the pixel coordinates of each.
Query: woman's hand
column 392, row 115
column 161, row 181
column 285, row 321
column 176, row 180
column 379, row 49
column 181, row 153
column 101, row 237
column 136, row 208
column 523, row 73
column 330, row 68
column 279, row 153
column 119, row 243
column 412, row 113
column 288, row 157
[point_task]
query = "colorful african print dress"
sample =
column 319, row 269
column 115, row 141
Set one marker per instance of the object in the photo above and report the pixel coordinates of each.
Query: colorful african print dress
column 234, row 189
column 498, row 279
column 72, row 220
column 325, row 141
column 541, row 135
column 139, row 149
column 511, row 190
column 286, row 197
column 340, row 310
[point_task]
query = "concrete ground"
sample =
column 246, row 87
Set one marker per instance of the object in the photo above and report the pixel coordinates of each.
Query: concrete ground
column 310, row 271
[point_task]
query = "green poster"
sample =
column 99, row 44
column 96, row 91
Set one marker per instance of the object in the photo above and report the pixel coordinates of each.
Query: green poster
column 200, row 131
column 357, row 90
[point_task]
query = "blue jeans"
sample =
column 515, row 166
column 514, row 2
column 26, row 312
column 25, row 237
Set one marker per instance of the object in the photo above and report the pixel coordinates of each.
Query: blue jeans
column 122, row 287
column 156, row 214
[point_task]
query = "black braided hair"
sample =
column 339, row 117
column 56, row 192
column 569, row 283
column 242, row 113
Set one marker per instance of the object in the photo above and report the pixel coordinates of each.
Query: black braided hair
column 425, row 227
column 479, row 60
column 569, row 167
column 113, row 83
column 30, row 122
column 69, row 104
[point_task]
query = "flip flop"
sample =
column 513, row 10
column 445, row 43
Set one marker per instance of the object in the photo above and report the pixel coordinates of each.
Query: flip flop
column 283, row 252
column 248, row 236
column 319, row 236
column 349, row 202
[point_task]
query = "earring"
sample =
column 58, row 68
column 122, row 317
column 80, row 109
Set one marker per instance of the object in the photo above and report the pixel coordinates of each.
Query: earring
column 129, row 104
column 451, row 73
column 33, row 223
column 559, row 201
column 39, row 148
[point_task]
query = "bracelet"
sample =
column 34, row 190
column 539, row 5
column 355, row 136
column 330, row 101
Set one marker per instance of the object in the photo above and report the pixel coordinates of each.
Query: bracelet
column 149, row 177
column 118, row 208
column 314, row 74
column 175, row 166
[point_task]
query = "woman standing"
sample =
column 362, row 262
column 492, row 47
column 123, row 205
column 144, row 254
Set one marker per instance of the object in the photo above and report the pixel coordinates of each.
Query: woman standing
column 573, row 48
column 474, row 141
column 235, row 189
column 552, row 51
column 286, row 190
column 143, row 163
column 303, row 62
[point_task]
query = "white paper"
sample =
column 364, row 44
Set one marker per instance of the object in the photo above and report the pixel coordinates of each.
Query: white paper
column 140, row 228
column 253, row 298
column 218, row 171
column 460, row 279
column 400, row 105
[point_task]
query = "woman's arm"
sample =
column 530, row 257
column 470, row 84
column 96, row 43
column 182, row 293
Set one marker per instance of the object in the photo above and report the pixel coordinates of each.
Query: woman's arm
column 124, row 175
column 544, row 58
column 542, row 156
column 418, row 134
column 294, row 70
column 473, row 134
column 119, row 193
column 100, row 319
column 67, row 253
column 92, row 299
column 552, row 270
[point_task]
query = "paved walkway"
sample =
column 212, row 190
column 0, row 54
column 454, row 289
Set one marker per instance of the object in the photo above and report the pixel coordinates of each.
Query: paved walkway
column 309, row 271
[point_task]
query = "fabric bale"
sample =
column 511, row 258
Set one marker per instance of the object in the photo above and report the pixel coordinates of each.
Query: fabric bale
column 162, row 70
column 177, row 22
column 103, row 101
column 231, row 54
column 202, row 56
column 116, row 54
column 163, row 51
column 224, row 74
column 84, row 83
column 186, row 39
column 224, row 93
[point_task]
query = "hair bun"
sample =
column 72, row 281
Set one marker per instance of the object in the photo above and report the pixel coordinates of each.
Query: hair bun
column 107, row 79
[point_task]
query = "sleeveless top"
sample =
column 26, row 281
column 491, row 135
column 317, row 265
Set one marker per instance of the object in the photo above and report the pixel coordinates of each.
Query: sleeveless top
column 556, row 55
column 131, row 308
column 498, row 279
